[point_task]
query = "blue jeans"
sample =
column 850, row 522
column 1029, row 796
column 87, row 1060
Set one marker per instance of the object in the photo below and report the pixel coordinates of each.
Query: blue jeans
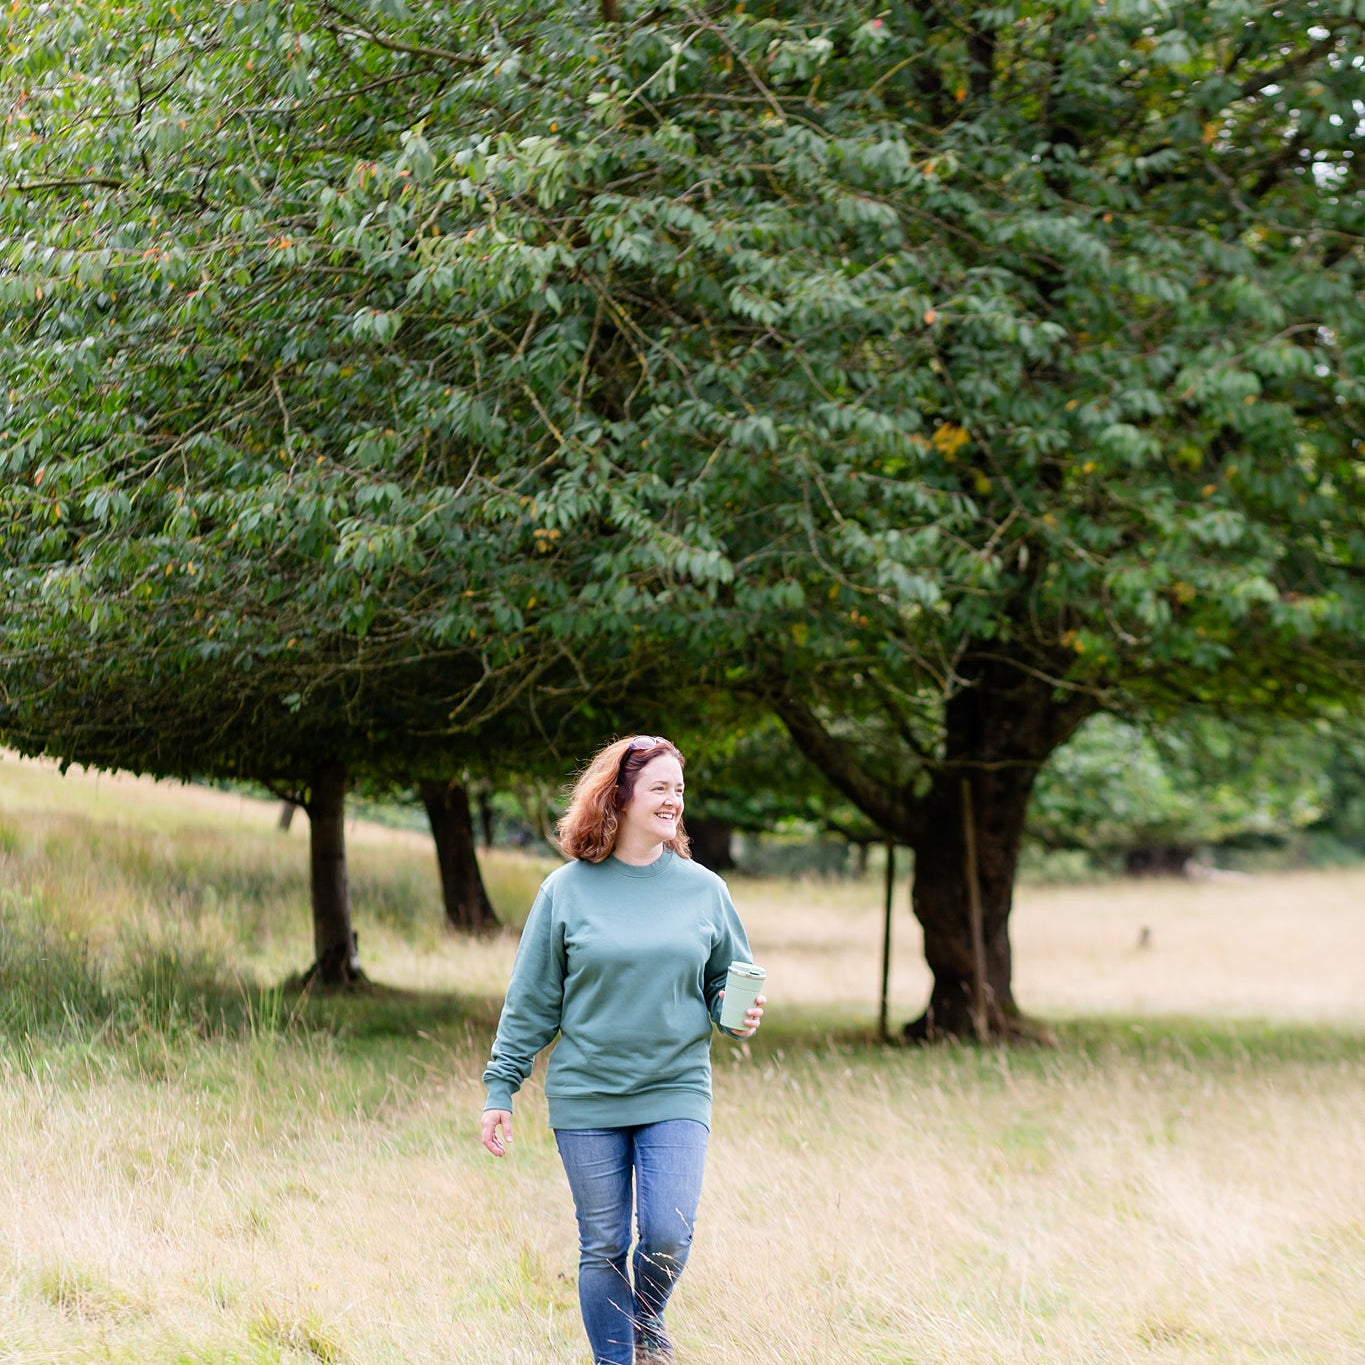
column 666, row 1160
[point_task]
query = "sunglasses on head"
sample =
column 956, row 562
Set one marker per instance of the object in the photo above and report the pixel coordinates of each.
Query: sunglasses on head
column 638, row 745
column 646, row 742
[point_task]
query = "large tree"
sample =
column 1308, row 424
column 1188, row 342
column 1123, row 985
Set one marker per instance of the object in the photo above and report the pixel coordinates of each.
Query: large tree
column 1140, row 370
column 942, row 378
column 956, row 374
column 246, row 536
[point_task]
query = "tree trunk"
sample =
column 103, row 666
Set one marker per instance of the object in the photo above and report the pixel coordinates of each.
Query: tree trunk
column 711, row 842
column 942, row 902
column 485, row 802
column 337, row 961
column 466, row 900
column 862, row 853
column 1000, row 731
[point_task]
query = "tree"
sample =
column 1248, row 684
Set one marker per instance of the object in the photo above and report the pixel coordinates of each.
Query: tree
column 1142, row 364
column 452, row 828
column 943, row 379
column 246, row 537
column 993, row 366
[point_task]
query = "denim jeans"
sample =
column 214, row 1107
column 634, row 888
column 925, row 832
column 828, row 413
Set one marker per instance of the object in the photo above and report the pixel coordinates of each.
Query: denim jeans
column 666, row 1161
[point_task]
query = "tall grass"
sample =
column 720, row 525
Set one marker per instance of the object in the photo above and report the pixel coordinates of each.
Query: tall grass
column 199, row 1167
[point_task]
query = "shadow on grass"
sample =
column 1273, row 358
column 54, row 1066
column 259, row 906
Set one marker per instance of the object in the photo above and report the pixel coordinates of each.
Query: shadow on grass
column 156, row 998
column 378, row 1012
column 55, row 993
column 1214, row 1044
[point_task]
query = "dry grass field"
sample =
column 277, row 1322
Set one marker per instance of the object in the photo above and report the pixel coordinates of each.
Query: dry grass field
column 198, row 1169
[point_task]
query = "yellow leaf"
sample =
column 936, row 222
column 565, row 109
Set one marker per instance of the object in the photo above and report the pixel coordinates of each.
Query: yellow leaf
column 948, row 439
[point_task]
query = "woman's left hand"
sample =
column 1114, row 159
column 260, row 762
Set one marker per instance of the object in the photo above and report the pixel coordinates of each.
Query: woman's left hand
column 753, row 1017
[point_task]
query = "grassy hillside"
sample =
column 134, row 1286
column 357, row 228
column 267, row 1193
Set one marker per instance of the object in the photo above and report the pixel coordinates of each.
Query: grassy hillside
column 197, row 1168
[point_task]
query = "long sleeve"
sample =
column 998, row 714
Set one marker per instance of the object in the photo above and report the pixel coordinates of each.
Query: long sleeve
column 731, row 945
column 532, row 1011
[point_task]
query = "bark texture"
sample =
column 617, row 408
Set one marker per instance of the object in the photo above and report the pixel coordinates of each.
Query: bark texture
column 467, row 906
column 336, row 956
column 1000, row 730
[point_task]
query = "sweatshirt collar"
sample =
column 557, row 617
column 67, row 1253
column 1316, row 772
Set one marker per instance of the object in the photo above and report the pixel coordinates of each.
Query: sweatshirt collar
column 659, row 866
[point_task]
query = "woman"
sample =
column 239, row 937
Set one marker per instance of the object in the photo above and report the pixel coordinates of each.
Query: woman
column 624, row 959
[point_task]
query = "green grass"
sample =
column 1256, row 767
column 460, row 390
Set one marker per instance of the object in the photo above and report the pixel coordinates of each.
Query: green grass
column 198, row 1166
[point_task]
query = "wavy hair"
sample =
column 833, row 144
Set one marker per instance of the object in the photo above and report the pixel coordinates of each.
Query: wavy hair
column 588, row 828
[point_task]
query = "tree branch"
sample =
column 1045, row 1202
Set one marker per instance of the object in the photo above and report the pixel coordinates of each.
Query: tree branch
column 889, row 807
column 72, row 183
column 1293, row 65
column 356, row 29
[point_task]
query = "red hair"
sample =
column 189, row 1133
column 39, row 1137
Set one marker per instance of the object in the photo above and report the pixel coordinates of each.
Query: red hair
column 588, row 828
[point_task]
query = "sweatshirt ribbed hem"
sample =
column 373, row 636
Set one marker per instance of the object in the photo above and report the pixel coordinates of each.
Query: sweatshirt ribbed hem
column 628, row 1111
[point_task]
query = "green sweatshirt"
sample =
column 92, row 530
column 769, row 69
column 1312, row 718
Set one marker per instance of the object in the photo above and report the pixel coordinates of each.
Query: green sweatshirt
column 625, row 964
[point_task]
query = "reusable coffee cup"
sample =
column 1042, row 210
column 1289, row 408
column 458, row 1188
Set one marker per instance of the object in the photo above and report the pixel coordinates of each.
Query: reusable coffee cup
column 743, row 985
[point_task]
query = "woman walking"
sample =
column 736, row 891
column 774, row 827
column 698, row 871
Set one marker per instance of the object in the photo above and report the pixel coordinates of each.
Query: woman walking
column 623, row 959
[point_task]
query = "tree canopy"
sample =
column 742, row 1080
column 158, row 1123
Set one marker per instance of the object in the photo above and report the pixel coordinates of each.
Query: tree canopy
column 937, row 379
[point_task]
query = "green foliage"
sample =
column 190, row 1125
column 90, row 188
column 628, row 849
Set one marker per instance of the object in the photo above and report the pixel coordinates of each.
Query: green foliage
column 244, row 533
column 876, row 363
column 1194, row 784
column 858, row 335
column 939, row 378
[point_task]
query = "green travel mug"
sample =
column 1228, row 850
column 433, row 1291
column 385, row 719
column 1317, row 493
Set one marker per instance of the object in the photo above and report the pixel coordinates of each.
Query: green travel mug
column 743, row 985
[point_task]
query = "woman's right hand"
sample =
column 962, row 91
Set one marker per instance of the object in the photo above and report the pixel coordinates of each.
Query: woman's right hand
column 493, row 1120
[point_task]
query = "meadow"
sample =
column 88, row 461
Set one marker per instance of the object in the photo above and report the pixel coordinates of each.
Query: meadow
column 199, row 1167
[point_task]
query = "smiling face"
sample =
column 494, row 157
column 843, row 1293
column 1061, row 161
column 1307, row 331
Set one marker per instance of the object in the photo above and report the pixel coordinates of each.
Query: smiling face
column 651, row 816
